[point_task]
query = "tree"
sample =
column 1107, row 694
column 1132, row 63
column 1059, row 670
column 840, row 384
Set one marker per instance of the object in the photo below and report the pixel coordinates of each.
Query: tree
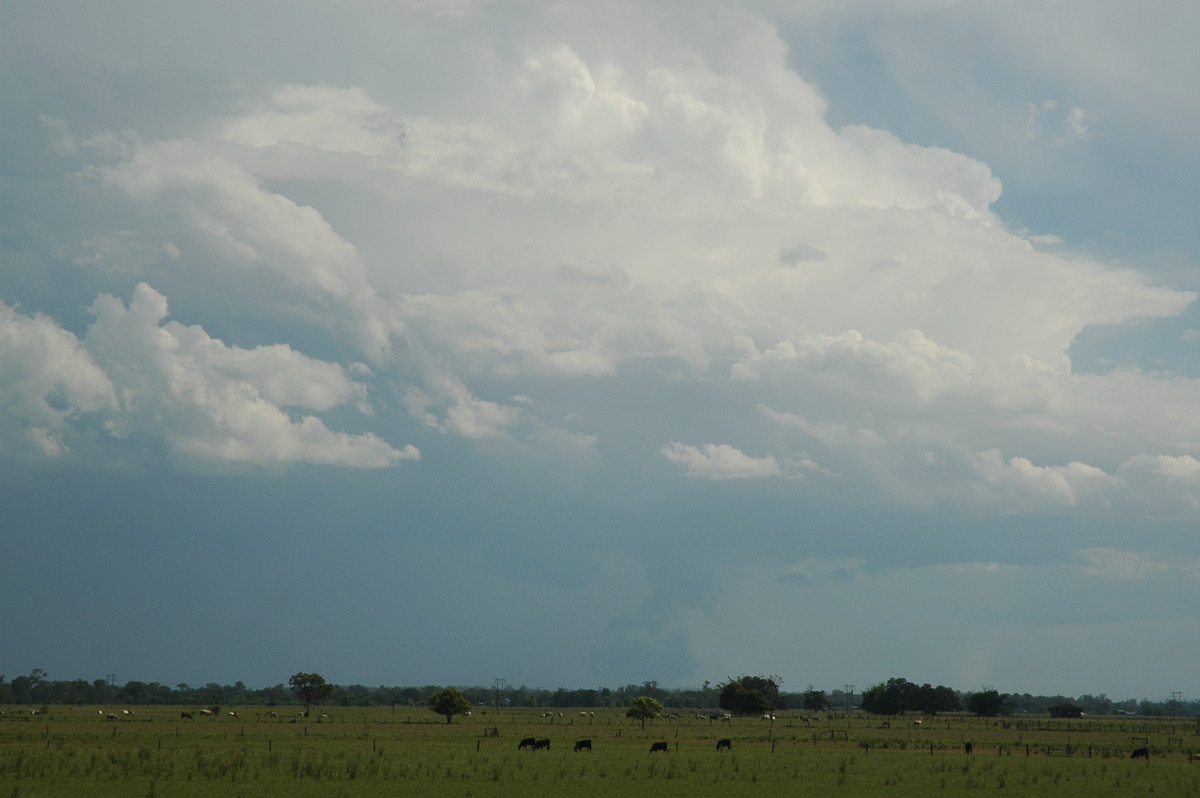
column 311, row 688
column 932, row 700
column 815, row 700
column 751, row 695
column 448, row 702
column 901, row 695
column 987, row 703
column 644, row 708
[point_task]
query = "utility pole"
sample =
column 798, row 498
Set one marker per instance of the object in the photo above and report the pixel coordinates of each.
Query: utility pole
column 501, row 684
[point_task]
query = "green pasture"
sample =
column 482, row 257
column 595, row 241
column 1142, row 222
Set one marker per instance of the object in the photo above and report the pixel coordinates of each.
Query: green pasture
column 75, row 751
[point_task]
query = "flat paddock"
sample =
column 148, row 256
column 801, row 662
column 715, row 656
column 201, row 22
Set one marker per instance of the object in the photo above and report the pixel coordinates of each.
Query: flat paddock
column 379, row 750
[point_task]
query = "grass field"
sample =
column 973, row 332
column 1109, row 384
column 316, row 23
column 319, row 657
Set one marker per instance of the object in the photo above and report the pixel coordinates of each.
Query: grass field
column 75, row 751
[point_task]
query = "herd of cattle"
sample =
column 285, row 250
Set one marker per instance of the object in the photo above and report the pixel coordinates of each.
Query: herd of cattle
column 534, row 744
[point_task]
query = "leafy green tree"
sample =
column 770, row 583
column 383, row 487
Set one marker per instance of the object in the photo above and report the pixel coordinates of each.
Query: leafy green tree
column 932, row 700
column 644, row 708
column 311, row 688
column 815, row 700
column 900, row 695
column 448, row 702
column 987, row 703
column 751, row 695
column 890, row 698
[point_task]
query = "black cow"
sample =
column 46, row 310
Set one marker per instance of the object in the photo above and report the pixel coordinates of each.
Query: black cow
column 526, row 743
column 186, row 716
column 970, row 749
column 658, row 747
column 541, row 745
column 1140, row 753
column 583, row 745
column 725, row 745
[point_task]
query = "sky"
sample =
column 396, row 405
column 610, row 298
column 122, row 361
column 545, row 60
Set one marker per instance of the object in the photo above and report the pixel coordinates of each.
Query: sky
column 584, row 345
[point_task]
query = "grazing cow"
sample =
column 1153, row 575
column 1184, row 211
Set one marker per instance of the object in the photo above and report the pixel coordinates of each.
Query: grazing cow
column 725, row 744
column 528, row 742
column 583, row 745
column 233, row 715
column 583, row 714
column 662, row 746
column 1140, row 753
column 110, row 716
column 274, row 716
column 126, row 711
column 916, row 723
column 970, row 749
column 207, row 712
column 186, row 716
column 541, row 745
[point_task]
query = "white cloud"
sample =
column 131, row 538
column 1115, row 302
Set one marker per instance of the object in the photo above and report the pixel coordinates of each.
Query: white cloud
column 671, row 203
column 1030, row 486
column 984, row 567
column 1068, row 128
column 48, row 380
column 259, row 229
column 1163, row 486
column 1074, row 127
column 719, row 461
column 1120, row 564
column 919, row 463
column 321, row 117
column 814, row 569
column 462, row 413
column 219, row 402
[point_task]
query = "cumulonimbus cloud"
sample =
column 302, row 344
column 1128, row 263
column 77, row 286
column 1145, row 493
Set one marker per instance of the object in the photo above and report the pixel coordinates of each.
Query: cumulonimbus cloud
column 589, row 214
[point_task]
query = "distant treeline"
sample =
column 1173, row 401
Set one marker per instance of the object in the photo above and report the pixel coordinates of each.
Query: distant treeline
column 37, row 688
